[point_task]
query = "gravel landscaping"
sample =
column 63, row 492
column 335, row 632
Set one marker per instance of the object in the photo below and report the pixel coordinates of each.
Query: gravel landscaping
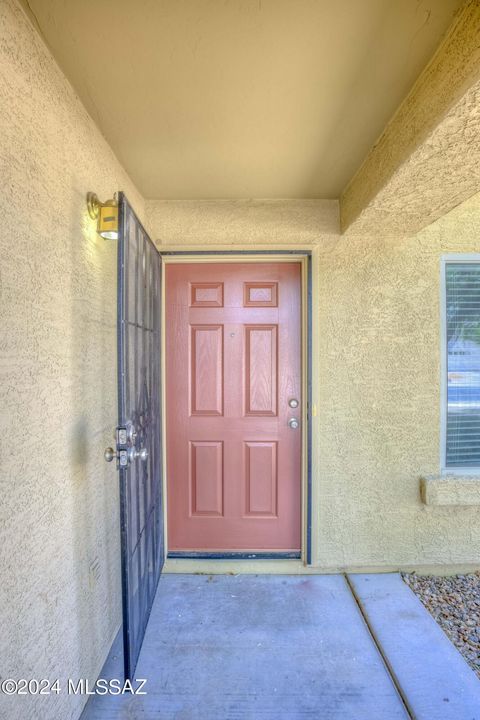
column 454, row 602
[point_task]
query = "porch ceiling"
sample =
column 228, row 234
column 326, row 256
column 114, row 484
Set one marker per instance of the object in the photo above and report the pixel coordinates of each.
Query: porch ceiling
column 242, row 98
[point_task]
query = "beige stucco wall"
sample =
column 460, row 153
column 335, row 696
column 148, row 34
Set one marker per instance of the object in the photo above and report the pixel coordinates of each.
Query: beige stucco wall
column 376, row 376
column 58, row 498
column 378, row 424
column 228, row 223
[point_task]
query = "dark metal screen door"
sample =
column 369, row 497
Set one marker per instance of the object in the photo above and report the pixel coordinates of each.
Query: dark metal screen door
column 139, row 428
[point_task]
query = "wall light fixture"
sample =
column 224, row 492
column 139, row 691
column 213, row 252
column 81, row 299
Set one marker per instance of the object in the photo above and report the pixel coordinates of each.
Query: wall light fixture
column 106, row 215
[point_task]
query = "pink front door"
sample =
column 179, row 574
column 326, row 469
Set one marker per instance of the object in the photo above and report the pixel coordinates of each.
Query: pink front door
column 233, row 365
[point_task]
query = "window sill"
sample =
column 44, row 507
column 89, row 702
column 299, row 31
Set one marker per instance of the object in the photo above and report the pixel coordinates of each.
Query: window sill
column 460, row 490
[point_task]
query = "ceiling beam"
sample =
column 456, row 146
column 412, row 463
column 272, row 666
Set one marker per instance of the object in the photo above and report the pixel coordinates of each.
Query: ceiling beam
column 427, row 159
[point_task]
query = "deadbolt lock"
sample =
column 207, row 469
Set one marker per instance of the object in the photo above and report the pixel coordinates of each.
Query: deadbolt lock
column 121, row 435
column 131, row 433
column 293, row 403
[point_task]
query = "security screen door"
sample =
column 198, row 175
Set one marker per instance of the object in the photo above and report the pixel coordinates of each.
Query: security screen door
column 138, row 432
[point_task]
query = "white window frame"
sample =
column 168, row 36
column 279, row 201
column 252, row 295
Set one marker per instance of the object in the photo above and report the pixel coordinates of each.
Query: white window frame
column 445, row 260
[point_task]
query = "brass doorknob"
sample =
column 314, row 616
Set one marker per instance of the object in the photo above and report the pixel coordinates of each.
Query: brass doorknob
column 109, row 454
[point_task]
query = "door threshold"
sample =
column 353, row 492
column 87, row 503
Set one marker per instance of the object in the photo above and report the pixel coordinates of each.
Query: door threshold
column 228, row 566
column 189, row 555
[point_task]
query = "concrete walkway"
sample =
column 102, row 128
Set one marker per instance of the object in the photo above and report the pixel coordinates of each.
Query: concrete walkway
column 433, row 677
column 254, row 647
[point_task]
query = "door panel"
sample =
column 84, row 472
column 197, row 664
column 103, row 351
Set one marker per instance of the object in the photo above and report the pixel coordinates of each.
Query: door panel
column 233, row 362
column 206, row 478
column 206, row 369
column 261, row 358
column 261, row 479
column 139, row 408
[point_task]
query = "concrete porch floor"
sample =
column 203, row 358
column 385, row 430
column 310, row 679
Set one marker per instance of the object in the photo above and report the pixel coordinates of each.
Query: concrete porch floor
column 266, row 646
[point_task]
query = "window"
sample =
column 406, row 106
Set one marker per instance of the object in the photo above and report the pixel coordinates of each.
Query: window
column 461, row 446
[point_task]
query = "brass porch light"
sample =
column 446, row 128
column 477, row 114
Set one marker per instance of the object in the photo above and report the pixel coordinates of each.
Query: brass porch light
column 106, row 215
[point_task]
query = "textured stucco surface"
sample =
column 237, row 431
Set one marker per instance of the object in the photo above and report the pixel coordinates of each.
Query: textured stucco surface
column 427, row 159
column 252, row 222
column 376, row 380
column 378, row 426
column 58, row 498
column 450, row 490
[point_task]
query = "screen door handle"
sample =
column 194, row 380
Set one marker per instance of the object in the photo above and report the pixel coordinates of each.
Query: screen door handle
column 134, row 454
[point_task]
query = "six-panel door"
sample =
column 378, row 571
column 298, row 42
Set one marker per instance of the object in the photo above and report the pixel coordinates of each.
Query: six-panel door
column 233, row 365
